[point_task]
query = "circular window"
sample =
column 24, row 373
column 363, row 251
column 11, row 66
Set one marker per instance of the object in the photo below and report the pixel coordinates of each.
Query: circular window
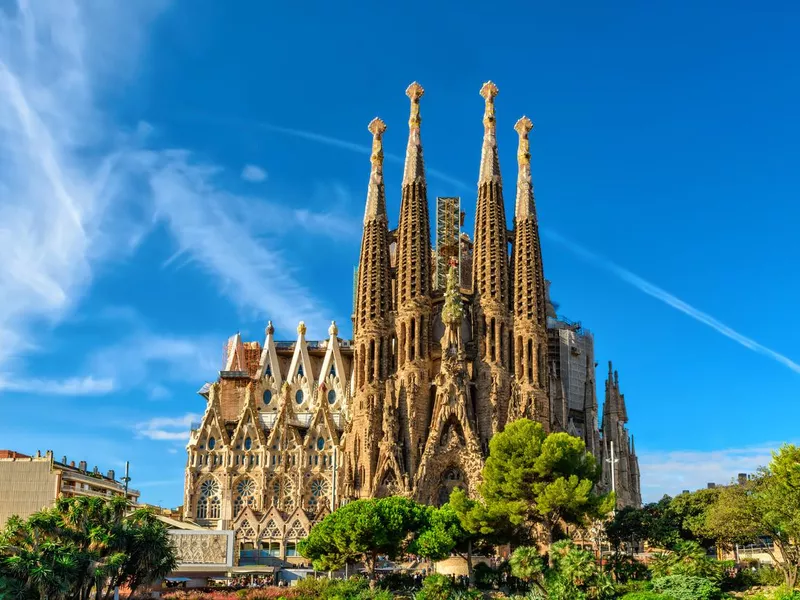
column 299, row 396
column 320, row 443
column 267, row 397
column 247, row 443
column 211, row 443
column 331, row 397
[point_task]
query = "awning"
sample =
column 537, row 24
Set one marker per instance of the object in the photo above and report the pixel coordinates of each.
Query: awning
column 253, row 569
column 177, row 579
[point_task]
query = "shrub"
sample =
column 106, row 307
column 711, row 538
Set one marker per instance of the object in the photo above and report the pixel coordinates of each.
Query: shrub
column 486, row 577
column 768, row 576
column 436, row 587
column 633, row 586
column 624, row 567
column 645, row 596
column 688, row 558
column 687, row 587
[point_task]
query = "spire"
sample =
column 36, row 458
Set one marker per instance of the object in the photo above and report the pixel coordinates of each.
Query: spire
column 525, row 203
column 413, row 230
column 376, row 195
column 373, row 286
column 414, row 171
column 490, row 271
column 490, row 163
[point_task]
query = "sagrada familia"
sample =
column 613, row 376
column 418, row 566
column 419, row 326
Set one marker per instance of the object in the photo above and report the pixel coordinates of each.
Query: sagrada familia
column 408, row 406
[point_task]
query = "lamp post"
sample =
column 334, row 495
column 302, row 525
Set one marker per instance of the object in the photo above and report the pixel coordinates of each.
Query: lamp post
column 613, row 461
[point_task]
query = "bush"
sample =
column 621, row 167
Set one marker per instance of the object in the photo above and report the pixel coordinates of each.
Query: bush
column 436, row 587
column 624, row 567
column 633, row 586
column 689, row 559
column 488, row 578
column 768, row 576
column 687, row 587
column 645, row 596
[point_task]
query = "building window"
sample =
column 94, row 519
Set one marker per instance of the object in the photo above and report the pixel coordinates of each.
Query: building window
column 298, row 397
column 211, row 443
column 320, row 443
column 331, row 397
column 248, row 443
column 300, row 370
column 267, row 397
column 208, row 504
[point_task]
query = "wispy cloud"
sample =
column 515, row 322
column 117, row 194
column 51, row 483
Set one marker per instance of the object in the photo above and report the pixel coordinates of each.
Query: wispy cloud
column 353, row 147
column 660, row 294
column 167, row 428
column 73, row 386
column 253, row 173
column 672, row 472
column 64, row 163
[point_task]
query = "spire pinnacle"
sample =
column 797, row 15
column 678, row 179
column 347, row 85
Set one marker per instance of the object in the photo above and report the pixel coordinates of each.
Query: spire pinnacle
column 414, row 171
column 376, row 196
column 525, row 204
column 490, row 163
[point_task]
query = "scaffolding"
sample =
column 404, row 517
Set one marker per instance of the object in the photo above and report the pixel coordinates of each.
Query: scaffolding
column 449, row 219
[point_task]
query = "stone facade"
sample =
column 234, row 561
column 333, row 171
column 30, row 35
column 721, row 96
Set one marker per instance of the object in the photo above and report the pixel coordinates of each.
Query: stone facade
column 292, row 430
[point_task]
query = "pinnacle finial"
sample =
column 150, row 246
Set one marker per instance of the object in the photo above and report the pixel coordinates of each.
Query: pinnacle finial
column 376, row 128
column 415, row 91
column 489, row 92
column 376, row 203
column 523, row 127
column 270, row 328
column 301, row 328
column 333, row 330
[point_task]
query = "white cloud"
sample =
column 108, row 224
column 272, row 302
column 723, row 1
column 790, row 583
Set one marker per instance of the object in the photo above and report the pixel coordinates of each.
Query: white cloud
column 64, row 164
column 254, row 173
column 662, row 295
column 672, row 472
column 73, row 386
column 167, row 428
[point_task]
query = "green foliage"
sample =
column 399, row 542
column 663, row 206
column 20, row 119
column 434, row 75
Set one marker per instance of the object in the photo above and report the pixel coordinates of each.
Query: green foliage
column 690, row 510
column 768, row 576
column 686, row 587
column 363, row 529
column 442, row 535
column 533, row 478
column 645, row 596
column 767, row 506
column 436, row 587
column 355, row 588
column 688, row 558
column 81, row 548
column 624, row 568
column 655, row 523
column 527, row 564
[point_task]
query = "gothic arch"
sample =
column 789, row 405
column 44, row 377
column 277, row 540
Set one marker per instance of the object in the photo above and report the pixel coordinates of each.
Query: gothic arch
column 209, row 498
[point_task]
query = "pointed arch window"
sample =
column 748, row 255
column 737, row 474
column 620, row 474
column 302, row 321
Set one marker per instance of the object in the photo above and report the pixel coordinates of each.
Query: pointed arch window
column 320, row 443
column 268, row 371
column 267, row 396
column 333, row 370
column 298, row 397
column 300, row 370
column 212, row 442
column 248, row 443
column 331, row 397
column 245, row 495
column 319, row 489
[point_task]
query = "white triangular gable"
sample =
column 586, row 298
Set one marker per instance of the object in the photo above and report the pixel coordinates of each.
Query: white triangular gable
column 235, row 359
column 269, row 365
column 333, row 364
column 301, row 357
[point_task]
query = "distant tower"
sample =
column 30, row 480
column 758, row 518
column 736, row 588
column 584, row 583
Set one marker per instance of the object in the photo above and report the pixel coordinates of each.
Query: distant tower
column 490, row 277
column 530, row 306
column 372, row 327
column 413, row 311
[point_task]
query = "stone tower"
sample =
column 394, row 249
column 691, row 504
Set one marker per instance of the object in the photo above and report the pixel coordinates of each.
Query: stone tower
column 413, row 293
column 372, row 330
column 618, row 451
column 530, row 317
column 490, row 284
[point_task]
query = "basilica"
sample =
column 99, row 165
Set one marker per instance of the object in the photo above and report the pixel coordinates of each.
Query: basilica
column 449, row 344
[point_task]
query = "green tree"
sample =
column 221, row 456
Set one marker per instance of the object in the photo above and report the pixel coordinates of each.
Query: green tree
column 690, row 510
column 83, row 547
column 656, row 523
column 363, row 530
column 768, row 506
column 538, row 481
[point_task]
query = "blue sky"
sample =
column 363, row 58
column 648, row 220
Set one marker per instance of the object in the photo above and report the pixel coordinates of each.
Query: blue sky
column 172, row 172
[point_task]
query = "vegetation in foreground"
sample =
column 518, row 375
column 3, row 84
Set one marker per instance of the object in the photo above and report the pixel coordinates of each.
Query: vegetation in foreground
column 83, row 548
